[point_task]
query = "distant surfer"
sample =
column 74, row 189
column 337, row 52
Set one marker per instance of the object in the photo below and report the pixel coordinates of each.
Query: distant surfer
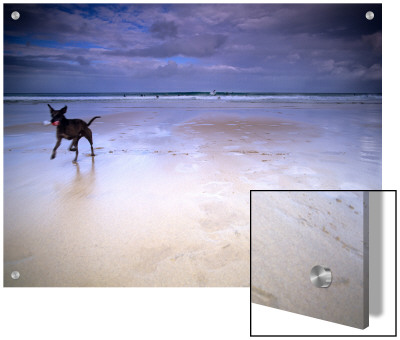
column 213, row 92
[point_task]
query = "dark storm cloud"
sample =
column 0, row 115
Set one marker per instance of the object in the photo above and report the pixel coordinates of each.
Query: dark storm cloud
column 163, row 29
column 65, row 25
column 82, row 61
column 23, row 64
column 39, row 21
column 329, row 20
column 263, row 47
column 198, row 46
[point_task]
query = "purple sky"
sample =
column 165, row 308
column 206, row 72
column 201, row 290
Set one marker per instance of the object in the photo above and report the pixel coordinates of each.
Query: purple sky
column 227, row 47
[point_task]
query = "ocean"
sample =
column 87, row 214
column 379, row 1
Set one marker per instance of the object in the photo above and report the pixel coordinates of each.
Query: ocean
column 31, row 108
column 255, row 97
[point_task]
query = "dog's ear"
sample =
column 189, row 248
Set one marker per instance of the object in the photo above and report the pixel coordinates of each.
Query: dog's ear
column 64, row 109
column 51, row 109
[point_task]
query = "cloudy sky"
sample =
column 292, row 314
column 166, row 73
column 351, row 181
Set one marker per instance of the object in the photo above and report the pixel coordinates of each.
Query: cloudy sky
column 188, row 47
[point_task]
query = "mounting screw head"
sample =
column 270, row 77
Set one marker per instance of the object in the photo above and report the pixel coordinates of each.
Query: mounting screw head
column 15, row 275
column 15, row 15
column 369, row 15
column 321, row 277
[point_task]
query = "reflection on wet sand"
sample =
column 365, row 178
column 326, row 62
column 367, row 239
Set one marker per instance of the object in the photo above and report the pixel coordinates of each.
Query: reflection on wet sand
column 82, row 184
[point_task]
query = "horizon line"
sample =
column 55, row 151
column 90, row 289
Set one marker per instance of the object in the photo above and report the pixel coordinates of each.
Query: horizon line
column 227, row 92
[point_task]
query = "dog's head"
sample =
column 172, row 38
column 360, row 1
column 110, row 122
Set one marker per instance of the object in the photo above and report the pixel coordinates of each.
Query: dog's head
column 57, row 115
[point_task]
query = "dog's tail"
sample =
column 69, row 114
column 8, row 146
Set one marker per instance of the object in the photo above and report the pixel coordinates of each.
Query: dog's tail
column 90, row 121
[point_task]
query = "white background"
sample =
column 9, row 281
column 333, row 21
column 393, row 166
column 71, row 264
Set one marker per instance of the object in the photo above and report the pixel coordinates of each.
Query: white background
column 180, row 313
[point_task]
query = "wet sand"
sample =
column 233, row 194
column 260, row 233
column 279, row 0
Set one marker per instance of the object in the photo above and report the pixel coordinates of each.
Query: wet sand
column 165, row 202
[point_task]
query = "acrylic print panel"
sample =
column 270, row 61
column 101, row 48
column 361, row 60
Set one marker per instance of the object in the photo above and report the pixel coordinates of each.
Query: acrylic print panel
column 309, row 253
column 165, row 201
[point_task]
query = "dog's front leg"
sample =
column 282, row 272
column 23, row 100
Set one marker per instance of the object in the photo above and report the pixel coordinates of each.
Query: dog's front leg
column 53, row 155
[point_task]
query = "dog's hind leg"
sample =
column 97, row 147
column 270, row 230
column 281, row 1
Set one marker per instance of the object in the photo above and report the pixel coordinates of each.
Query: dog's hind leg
column 76, row 153
column 74, row 147
column 53, row 155
column 88, row 135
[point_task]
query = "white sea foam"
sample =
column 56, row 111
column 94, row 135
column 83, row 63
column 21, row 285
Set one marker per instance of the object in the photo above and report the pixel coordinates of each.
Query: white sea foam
column 239, row 97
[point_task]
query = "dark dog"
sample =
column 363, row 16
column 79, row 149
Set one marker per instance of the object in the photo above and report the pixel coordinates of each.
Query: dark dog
column 69, row 129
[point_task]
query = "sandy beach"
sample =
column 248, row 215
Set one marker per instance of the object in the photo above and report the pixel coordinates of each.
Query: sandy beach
column 165, row 202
